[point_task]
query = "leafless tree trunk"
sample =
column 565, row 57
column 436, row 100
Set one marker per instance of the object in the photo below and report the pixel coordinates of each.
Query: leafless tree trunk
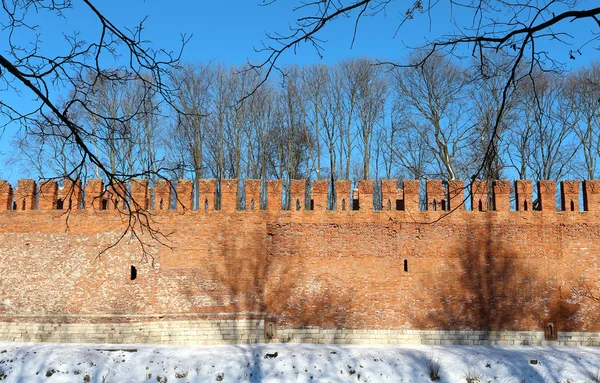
column 193, row 98
column 433, row 96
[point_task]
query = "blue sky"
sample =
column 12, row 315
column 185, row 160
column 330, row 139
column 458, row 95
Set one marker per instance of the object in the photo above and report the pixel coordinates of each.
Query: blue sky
column 229, row 30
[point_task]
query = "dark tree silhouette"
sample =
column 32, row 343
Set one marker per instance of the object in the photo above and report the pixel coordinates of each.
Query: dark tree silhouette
column 62, row 81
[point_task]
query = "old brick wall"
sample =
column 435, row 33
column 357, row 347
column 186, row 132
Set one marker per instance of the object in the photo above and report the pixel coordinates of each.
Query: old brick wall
column 415, row 274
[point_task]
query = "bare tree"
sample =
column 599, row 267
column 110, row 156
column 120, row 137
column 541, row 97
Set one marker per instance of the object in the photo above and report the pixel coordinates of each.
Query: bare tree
column 262, row 116
column 371, row 97
column 289, row 136
column 542, row 141
column 486, row 92
column 432, row 95
column 582, row 92
column 488, row 28
column 192, row 96
column 59, row 83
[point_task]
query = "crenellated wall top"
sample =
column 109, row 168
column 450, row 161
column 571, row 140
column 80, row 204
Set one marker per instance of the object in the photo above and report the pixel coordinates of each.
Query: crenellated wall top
column 369, row 195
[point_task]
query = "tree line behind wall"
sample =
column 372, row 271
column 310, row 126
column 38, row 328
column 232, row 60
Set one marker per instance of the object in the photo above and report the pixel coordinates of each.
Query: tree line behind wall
column 352, row 120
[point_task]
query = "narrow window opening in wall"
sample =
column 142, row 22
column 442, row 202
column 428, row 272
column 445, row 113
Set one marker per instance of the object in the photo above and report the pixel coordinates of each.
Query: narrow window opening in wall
column 434, row 205
column 206, row 204
column 572, row 205
column 343, row 204
column 406, row 265
column 133, row 273
column 525, row 206
column 252, row 205
column 23, row 205
column 160, row 204
column 14, row 206
column 550, row 332
column 480, row 205
column 443, row 205
column 297, row 204
column 104, row 204
column 399, row 204
column 312, row 204
column 389, row 204
column 59, row 204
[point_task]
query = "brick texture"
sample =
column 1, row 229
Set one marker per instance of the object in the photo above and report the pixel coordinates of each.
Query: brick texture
column 321, row 276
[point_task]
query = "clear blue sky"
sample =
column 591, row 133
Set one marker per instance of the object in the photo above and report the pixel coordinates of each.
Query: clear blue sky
column 229, row 30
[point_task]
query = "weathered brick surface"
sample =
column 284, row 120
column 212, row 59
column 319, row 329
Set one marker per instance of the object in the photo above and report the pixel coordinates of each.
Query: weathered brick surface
column 569, row 193
column 48, row 195
column 94, row 191
column 436, row 195
column 547, row 195
column 116, row 194
column 25, row 195
column 388, row 194
column 185, row 195
column 343, row 202
column 591, row 195
column 456, row 191
column 274, row 195
column 523, row 195
column 501, row 195
column 411, row 195
column 162, row 195
column 319, row 195
column 365, row 195
column 479, row 195
column 207, row 195
column 229, row 195
column 500, row 276
column 71, row 194
column 140, row 198
column 6, row 195
column 252, row 189
column 297, row 195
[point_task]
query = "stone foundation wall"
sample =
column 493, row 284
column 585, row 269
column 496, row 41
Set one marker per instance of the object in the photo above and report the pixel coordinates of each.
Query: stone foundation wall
column 186, row 332
column 232, row 331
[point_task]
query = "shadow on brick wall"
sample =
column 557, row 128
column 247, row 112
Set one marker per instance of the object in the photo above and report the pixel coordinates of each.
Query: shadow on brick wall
column 252, row 288
column 488, row 286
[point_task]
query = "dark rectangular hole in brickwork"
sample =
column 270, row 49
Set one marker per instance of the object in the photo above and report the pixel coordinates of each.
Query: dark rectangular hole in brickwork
column 355, row 204
column 133, row 273
column 550, row 332
column 59, row 204
column 406, row 265
column 399, row 204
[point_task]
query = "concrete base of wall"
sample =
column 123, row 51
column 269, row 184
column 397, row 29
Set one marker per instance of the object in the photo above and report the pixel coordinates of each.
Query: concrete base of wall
column 231, row 331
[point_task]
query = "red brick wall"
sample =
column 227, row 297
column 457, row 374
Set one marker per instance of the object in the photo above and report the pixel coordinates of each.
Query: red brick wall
column 495, row 270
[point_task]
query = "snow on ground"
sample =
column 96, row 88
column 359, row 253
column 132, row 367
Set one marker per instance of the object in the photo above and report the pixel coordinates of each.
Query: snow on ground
column 50, row 362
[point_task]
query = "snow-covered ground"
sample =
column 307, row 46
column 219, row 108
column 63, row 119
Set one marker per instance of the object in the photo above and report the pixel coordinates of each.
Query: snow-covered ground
column 48, row 362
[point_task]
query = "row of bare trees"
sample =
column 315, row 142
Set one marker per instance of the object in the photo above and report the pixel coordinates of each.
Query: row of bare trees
column 356, row 119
